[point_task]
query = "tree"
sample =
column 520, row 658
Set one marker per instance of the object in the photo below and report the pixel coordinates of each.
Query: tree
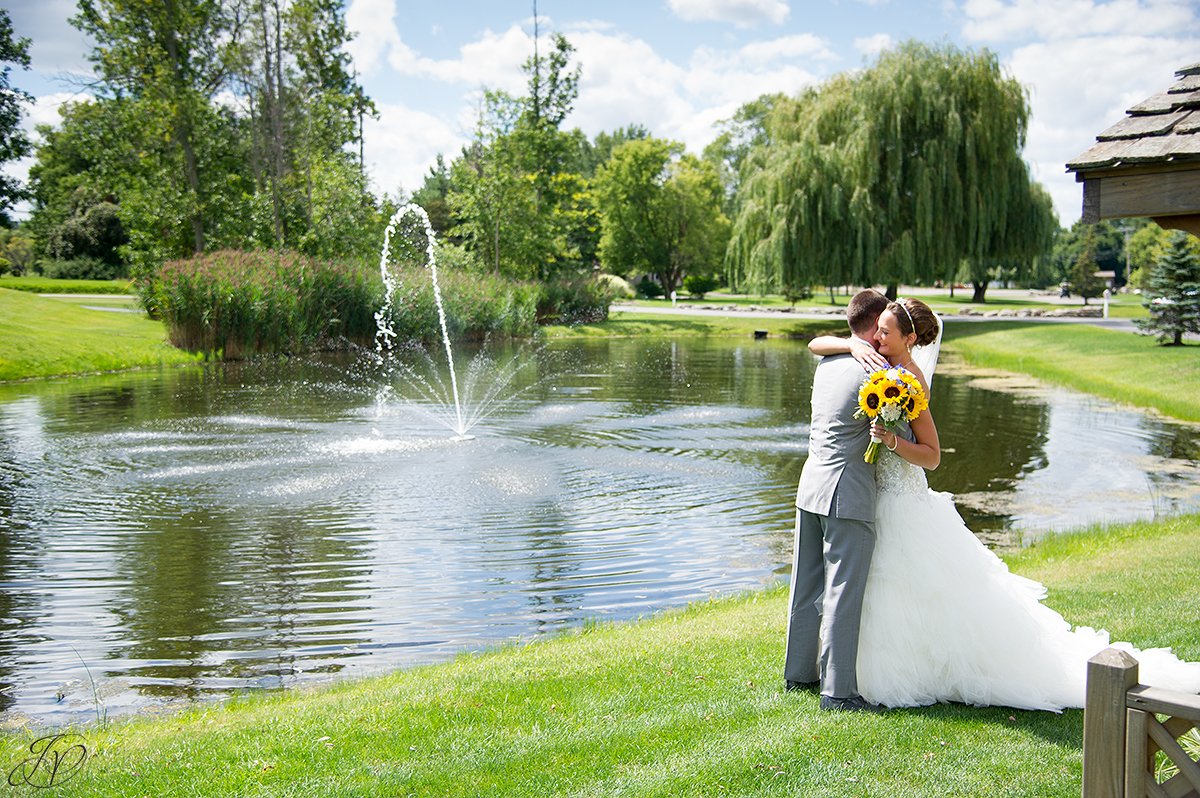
column 1173, row 291
column 660, row 212
column 14, row 144
column 1027, row 238
column 304, row 108
column 897, row 173
column 519, row 205
column 16, row 252
column 1106, row 239
column 739, row 136
column 1084, row 281
column 432, row 197
column 174, row 57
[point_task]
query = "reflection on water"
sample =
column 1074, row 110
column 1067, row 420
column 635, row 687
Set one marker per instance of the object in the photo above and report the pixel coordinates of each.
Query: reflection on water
column 193, row 533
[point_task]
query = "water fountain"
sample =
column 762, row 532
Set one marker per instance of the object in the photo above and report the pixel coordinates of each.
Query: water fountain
column 426, row 390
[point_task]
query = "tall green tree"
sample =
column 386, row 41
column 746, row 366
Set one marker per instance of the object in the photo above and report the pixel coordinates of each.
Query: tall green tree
column 660, row 212
column 305, row 106
column 1017, row 249
column 173, row 57
column 896, row 173
column 95, row 155
column 520, row 206
column 1172, row 294
column 739, row 136
column 1084, row 281
column 14, row 143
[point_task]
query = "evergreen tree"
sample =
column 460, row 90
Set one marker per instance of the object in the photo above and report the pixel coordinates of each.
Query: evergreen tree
column 1172, row 293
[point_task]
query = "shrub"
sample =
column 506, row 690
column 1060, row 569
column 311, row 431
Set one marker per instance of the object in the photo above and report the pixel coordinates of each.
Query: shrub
column 477, row 306
column 648, row 288
column 697, row 285
column 573, row 302
column 82, row 268
column 617, row 287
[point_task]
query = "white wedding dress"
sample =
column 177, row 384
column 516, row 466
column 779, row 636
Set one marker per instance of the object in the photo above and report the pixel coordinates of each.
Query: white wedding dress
column 945, row 620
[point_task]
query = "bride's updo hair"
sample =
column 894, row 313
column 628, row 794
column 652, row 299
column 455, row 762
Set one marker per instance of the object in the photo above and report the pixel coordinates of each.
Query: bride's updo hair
column 919, row 318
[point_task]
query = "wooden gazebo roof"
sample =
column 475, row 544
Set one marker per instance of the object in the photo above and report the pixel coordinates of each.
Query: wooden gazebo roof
column 1148, row 164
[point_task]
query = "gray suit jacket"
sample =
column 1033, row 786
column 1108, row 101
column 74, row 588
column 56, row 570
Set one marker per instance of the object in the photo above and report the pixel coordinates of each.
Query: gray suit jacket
column 835, row 480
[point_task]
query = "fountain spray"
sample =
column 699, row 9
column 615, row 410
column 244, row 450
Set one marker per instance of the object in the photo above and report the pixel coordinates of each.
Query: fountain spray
column 385, row 334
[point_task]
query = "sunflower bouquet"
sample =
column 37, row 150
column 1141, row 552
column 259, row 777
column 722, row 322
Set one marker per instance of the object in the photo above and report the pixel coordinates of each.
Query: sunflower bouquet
column 889, row 396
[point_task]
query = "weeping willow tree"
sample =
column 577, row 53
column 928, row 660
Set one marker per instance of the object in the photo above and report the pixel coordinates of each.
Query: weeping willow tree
column 1025, row 235
column 894, row 174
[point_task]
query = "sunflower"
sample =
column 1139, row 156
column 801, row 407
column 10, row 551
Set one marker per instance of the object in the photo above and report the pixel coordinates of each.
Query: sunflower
column 870, row 399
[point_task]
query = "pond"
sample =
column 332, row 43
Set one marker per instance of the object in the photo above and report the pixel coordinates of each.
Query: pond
column 167, row 537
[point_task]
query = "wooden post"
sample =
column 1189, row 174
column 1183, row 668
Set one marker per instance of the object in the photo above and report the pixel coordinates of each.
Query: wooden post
column 1138, row 762
column 1110, row 675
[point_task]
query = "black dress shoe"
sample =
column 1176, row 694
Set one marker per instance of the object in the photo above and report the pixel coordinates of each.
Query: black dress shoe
column 793, row 687
column 854, row 703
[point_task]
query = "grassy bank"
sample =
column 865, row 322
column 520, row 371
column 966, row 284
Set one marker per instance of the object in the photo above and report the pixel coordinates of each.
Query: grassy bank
column 665, row 325
column 42, row 337
column 1128, row 368
column 687, row 703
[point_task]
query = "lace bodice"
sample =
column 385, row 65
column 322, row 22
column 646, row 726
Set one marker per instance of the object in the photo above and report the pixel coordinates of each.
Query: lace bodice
column 895, row 475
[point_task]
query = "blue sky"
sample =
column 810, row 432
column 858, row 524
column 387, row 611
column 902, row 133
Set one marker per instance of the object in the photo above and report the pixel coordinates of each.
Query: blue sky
column 678, row 66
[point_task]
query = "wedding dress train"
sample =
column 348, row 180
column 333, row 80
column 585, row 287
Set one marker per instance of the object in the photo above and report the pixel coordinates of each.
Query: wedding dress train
column 945, row 620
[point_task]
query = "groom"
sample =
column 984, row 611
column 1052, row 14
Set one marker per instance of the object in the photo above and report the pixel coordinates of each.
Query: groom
column 835, row 527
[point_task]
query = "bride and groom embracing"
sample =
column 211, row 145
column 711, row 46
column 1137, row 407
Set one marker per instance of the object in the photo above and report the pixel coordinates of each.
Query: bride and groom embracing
column 894, row 602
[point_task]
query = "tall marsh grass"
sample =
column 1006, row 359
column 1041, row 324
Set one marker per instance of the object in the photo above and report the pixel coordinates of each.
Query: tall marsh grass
column 244, row 303
column 238, row 304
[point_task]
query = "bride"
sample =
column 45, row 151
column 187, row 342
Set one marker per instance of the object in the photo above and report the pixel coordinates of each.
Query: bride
column 943, row 617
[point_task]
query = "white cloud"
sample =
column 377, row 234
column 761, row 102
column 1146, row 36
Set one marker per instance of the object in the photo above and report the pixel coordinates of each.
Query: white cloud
column 871, row 46
column 373, row 23
column 742, row 13
column 403, row 143
column 1025, row 20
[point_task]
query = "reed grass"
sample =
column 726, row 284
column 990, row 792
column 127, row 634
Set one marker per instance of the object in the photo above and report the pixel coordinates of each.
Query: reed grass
column 236, row 304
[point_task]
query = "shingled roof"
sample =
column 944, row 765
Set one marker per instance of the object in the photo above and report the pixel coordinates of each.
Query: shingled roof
column 1148, row 164
column 1164, row 128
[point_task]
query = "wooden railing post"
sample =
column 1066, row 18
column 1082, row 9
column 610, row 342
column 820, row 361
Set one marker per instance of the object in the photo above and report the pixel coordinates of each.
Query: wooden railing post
column 1110, row 675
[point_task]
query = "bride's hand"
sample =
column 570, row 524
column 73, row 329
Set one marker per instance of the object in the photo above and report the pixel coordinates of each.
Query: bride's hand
column 885, row 436
column 866, row 355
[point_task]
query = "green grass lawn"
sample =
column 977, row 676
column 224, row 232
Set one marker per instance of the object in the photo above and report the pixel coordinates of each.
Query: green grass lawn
column 45, row 285
column 1125, row 367
column 688, row 703
column 42, row 337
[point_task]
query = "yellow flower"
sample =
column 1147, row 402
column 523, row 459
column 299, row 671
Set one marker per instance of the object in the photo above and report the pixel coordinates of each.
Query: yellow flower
column 870, row 399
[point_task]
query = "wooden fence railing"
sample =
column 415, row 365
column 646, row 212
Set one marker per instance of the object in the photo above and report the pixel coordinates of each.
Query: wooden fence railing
column 1122, row 733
